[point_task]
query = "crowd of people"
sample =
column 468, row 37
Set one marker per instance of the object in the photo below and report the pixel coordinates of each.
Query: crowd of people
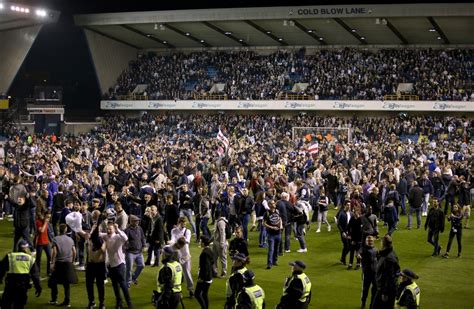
column 163, row 181
column 333, row 74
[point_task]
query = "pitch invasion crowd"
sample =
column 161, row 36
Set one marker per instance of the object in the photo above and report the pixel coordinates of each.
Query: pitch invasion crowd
column 338, row 74
column 162, row 181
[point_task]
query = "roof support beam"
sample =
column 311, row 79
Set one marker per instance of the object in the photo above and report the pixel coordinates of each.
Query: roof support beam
column 266, row 32
column 110, row 37
column 225, row 33
column 439, row 30
column 361, row 39
column 310, row 32
column 187, row 35
column 148, row 36
column 396, row 32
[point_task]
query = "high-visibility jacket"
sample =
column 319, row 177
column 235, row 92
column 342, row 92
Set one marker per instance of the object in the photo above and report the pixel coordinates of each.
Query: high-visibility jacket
column 176, row 277
column 228, row 290
column 415, row 292
column 306, row 286
column 256, row 295
column 20, row 263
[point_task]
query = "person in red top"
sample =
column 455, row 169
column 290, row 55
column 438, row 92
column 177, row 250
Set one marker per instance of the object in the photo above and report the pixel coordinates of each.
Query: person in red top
column 42, row 241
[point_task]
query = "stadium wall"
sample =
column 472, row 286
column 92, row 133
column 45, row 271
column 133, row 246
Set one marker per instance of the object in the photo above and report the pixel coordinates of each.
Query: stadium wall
column 15, row 45
column 110, row 58
column 76, row 128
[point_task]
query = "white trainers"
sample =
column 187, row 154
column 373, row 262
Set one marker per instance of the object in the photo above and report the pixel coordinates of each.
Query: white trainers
column 318, row 231
column 302, row 250
column 287, row 251
column 81, row 268
column 329, row 228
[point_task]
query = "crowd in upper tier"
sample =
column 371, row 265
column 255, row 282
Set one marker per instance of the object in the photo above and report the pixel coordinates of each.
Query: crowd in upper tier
column 340, row 74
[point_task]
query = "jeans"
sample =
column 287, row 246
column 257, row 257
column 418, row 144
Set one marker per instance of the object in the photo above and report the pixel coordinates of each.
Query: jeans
column 153, row 249
column 300, row 235
column 219, row 253
column 54, row 291
column 19, row 234
column 287, row 229
column 345, row 248
column 204, row 227
column 449, row 200
column 55, row 221
column 263, row 234
column 188, row 213
column 458, row 235
column 426, row 200
column 418, row 216
column 433, row 237
column 245, row 219
column 403, row 202
column 81, row 246
column 95, row 272
column 132, row 258
column 273, row 243
column 354, row 247
column 47, row 251
column 368, row 278
column 117, row 275
column 202, row 289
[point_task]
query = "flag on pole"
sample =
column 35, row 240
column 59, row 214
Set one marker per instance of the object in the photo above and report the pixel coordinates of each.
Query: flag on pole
column 223, row 139
column 314, row 148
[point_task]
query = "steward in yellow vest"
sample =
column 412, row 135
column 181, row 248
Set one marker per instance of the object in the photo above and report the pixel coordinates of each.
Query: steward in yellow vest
column 297, row 289
column 170, row 277
column 252, row 295
column 408, row 295
column 20, row 268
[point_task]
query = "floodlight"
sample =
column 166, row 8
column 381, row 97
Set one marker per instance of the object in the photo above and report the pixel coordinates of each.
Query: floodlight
column 1, row 6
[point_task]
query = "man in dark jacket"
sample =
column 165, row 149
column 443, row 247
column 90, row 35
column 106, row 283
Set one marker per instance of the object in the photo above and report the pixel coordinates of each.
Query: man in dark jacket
column 343, row 219
column 133, row 252
column 155, row 236
column 435, row 223
column 283, row 205
column 386, row 275
column 368, row 257
column 402, row 189
column 206, row 261
column 416, row 200
column 22, row 206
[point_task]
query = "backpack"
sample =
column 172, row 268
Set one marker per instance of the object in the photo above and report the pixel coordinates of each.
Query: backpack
column 228, row 231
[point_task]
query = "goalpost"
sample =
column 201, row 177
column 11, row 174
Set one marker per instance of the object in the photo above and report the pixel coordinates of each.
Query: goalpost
column 318, row 133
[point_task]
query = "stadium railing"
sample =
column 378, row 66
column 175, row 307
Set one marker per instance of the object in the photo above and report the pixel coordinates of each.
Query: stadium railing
column 401, row 97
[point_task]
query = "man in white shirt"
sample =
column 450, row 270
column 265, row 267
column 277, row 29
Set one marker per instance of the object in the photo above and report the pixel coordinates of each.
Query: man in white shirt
column 180, row 239
column 115, row 239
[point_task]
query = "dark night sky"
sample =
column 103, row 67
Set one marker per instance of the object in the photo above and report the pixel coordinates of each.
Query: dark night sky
column 70, row 65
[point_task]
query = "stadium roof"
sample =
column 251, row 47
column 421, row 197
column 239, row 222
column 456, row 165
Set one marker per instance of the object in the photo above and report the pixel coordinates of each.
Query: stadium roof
column 15, row 16
column 392, row 24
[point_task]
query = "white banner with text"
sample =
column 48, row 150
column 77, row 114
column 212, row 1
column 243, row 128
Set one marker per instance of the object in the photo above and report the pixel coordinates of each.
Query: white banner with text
column 422, row 106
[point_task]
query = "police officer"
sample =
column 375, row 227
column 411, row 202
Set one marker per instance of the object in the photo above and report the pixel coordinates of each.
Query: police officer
column 408, row 295
column 297, row 289
column 235, row 282
column 170, row 278
column 252, row 295
column 19, row 267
